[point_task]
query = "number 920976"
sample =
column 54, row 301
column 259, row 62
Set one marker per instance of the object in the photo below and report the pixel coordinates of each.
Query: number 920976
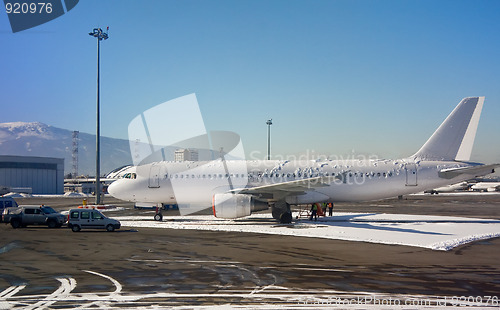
column 28, row 8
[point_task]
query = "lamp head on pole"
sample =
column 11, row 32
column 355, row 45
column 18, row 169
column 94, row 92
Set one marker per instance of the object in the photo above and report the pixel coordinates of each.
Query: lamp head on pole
column 269, row 121
column 98, row 33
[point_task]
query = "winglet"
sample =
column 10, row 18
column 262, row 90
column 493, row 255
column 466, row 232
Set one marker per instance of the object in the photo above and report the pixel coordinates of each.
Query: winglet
column 453, row 140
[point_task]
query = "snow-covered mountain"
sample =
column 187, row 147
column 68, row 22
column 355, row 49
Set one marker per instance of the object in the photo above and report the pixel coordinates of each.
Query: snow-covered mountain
column 38, row 139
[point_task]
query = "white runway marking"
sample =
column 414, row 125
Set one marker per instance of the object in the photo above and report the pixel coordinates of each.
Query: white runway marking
column 259, row 297
column 115, row 283
column 11, row 291
column 62, row 293
column 433, row 232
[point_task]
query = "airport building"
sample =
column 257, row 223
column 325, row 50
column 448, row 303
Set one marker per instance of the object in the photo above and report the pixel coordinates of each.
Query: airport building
column 186, row 155
column 36, row 175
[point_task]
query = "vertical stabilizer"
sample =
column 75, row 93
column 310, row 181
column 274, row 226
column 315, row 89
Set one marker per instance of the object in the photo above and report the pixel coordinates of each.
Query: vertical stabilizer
column 453, row 140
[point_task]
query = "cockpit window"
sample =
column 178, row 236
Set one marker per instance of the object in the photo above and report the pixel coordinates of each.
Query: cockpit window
column 130, row 176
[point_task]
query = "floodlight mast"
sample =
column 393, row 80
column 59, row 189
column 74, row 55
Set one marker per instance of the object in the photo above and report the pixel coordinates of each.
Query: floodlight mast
column 100, row 35
column 269, row 123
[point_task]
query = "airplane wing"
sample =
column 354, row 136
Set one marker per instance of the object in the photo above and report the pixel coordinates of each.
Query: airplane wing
column 281, row 190
column 474, row 171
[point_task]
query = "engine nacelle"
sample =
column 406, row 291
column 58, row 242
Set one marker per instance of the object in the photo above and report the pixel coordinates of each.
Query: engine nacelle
column 231, row 206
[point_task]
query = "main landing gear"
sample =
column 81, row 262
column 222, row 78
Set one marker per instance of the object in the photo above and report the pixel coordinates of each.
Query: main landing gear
column 281, row 211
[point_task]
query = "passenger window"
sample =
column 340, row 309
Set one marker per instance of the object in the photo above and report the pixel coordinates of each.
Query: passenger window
column 8, row 204
column 1, row 204
column 85, row 215
column 37, row 211
column 96, row 216
column 74, row 214
column 29, row 211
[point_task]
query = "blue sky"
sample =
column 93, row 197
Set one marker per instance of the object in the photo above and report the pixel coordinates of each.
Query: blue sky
column 336, row 77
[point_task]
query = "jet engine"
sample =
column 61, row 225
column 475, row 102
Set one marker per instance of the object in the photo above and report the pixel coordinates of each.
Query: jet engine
column 231, row 206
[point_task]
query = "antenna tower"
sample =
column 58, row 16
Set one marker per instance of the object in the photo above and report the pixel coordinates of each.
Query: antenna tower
column 74, row 153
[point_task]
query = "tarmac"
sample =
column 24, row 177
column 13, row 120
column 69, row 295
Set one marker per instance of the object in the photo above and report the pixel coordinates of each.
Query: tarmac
column 146, row 268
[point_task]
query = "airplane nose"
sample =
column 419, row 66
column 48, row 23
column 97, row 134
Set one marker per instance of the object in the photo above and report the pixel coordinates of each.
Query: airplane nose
column 114, row 189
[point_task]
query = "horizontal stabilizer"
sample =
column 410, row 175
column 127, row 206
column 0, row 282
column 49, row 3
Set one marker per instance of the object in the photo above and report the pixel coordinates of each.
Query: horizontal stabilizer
column 473, row 171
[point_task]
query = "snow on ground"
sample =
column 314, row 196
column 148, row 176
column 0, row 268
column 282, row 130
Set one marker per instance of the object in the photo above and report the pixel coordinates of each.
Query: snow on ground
column 432, row 232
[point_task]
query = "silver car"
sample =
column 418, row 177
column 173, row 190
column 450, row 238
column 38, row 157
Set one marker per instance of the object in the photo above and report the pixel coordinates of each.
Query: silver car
column 79, row 219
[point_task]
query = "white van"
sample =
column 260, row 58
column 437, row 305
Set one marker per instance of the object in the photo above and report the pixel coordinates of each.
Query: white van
column 89, row 218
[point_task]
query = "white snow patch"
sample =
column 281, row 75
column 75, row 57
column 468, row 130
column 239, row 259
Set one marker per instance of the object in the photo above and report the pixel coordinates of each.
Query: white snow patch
column 432, row 232
column 18, row 195
column 73, row 194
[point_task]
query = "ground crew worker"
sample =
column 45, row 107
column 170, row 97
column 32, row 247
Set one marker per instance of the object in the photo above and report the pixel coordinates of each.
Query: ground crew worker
column 330, row 209
column 314, row 212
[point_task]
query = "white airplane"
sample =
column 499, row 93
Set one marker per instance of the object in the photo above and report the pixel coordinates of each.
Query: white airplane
column 236, row 188
column 462, row 186
column 486, row 186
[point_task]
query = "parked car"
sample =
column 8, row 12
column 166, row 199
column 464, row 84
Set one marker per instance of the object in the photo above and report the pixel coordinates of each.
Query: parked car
column 89, row 218
column 7, row 202
column 33, row 215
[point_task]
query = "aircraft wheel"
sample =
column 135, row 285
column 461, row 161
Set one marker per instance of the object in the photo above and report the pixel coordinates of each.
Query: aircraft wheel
column 277, row 213
column 286, row 218
column 281, row 211
column 158, row 217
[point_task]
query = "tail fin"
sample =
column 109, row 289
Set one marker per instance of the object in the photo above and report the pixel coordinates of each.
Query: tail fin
column 453, row 140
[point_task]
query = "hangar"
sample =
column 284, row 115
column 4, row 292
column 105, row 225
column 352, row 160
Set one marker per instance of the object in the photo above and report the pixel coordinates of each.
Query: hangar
column 38, row 175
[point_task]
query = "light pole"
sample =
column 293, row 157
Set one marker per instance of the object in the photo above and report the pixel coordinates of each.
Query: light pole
column 269, row 123
column 100, row 35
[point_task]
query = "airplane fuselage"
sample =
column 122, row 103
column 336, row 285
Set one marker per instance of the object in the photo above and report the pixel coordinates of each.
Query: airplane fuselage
column 345, row 180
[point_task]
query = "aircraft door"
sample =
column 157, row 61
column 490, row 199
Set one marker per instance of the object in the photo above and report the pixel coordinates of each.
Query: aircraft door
column 154, row 176
column 411, row 174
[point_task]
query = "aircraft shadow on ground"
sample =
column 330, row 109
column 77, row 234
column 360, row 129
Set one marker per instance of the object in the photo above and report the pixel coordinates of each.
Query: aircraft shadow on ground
column 356, row 221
